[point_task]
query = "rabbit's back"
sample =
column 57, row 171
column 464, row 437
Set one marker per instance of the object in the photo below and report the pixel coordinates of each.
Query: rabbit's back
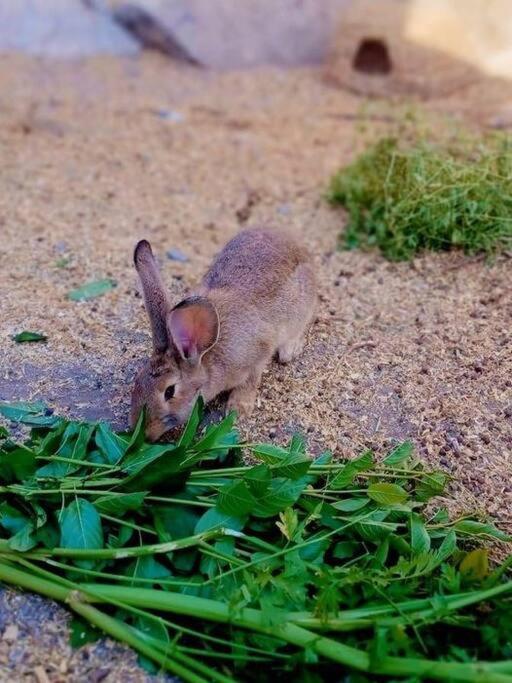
column 256, row 262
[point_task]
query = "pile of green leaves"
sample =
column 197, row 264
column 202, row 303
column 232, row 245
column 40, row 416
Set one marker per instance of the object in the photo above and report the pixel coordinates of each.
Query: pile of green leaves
column 290, row 568
column 411, row 197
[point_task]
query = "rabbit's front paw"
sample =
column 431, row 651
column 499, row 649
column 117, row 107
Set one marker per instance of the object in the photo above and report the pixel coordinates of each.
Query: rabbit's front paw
column 242, row 400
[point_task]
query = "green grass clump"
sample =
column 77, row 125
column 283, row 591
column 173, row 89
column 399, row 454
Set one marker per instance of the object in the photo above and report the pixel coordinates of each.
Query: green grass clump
column 289, row 569
column 407, row 199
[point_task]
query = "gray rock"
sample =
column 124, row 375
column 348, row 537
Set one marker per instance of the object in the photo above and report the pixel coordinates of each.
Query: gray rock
column 230, row 33
column 177, row 255
column 170, row 115
column 151, row 33
column 60, row 28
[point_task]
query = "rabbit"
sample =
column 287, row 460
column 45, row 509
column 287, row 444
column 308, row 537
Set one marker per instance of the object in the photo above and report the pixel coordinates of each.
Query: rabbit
column 257, row 299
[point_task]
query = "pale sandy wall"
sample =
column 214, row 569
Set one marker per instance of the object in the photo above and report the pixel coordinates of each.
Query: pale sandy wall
column 477, row 31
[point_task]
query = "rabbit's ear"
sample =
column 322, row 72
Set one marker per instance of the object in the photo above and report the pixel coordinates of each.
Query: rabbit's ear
column 155, row 295
column 194, row 327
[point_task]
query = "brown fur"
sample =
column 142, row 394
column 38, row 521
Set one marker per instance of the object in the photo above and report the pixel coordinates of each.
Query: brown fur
column 257, row 299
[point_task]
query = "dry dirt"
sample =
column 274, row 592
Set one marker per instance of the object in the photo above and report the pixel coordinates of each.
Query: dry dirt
column 99, row 154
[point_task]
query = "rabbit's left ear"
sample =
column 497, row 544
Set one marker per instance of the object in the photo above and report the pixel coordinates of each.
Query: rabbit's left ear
column 193, row 327
column 155, row 294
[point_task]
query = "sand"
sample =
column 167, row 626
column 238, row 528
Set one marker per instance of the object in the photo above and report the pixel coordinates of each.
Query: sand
column 98, row 154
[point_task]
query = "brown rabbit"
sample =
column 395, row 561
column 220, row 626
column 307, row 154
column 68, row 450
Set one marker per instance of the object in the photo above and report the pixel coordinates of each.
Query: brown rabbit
column 257, row 298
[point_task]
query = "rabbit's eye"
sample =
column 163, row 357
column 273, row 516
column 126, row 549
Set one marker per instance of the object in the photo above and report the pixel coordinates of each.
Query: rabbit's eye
column 169, row 392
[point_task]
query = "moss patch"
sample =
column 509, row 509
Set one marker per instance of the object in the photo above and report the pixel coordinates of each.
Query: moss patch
column 405, row 200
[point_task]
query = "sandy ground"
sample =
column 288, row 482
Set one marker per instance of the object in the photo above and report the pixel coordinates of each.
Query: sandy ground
column 97, row 155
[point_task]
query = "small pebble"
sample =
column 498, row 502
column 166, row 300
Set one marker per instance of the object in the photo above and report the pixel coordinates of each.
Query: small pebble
column 284, row 209
column 11, row 633
column 177, row 255
column 170, row 115
column 61, row 247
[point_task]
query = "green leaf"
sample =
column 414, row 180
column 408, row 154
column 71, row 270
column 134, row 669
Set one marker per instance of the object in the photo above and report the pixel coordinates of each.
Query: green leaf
column 175, row 521
column 111, row 445
column 420, row 540
column 470, row 527
column 298, row 444
column 349, row 472
column 193, row 423
column 258, row 479
column 24, row 540
column 431, row 485
column 119, row 504
column 169, row 473
column 72, row 448
column 374, row 527
column 288, row 523
column 387, row 494
column 80, row 526
column 92, row 289
column 136, row 461
column 35, row 414
column 83, row 632
column 137, row 437
column 146, row 567
column 293, row 466
column 351, row 504
column 211, row 566
column 51, row 442
column 17, row 465
column 269, row 454
column 399, row 454
column 447, row 547
column 475, row 565
column 281, row 493
column 345, row 549
column 12, row 519
column 235, row 499
column 23, row 337
column 47, row 536
column 216, row 519
column 215, row 434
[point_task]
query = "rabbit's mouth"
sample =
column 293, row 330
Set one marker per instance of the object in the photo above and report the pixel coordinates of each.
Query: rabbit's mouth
column 167, row 426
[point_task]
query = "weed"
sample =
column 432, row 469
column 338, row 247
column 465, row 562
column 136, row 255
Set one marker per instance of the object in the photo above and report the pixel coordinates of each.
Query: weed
column 408, row 198
column 294, row 568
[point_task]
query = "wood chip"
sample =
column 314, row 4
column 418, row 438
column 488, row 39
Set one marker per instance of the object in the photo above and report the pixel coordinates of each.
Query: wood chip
column 11, row 633
column 40, row 675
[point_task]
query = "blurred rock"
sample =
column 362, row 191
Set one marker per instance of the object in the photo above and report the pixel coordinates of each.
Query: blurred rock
column 60, row 28
column 151, row 33
column 177, row 255
column 234, row 33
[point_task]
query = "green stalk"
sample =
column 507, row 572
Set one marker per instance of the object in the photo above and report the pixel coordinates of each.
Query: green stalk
column 291, row 548
column 179, row 501
column 104, row 622
column 499, row 571
column 119, row 553
column 212, row 610
column 114, row 577
column 34, row 568
column 193, row 663
column 119, row 631
column 131, row 525
column 73, row 461
column 365, row 617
